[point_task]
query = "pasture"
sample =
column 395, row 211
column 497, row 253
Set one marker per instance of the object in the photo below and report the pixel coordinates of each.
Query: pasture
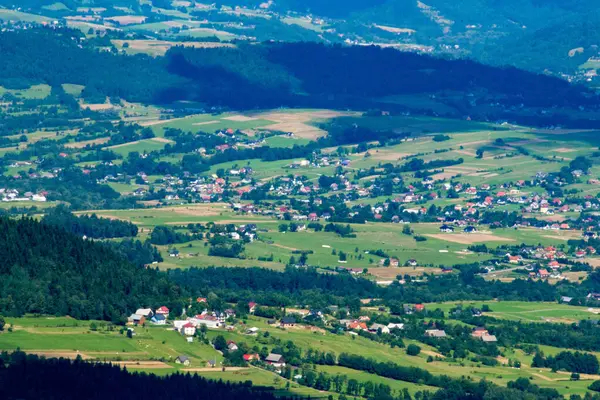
column 526, row 311
column 140, row 146
column 45, row 335
column 154, row 348
column 160, row 47
column 35, row 92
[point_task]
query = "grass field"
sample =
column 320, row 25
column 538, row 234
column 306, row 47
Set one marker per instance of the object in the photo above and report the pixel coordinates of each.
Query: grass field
column 387, row 237
column 13, row 15
column 34, row 92
column 68, row 335
column 141, row 146
column 362, row 377
column 207, row 123
column 154, row 348
column 160, row 47
column 73, row 90
column 415, row 125
column 527, row 312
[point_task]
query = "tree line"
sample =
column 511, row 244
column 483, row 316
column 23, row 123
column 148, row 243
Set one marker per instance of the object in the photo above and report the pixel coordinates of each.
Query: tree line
column 33, row 377
column 89, row 225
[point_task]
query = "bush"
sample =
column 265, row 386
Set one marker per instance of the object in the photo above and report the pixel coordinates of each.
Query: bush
column 575, row 376
column 413, row 350
column 441, row 138
column 595, row 386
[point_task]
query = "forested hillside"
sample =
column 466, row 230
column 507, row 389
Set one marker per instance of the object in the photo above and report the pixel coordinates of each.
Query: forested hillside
column 529, row 34
column 273, row 75
column 46, row 270
column 32, row 377
column 56, row 56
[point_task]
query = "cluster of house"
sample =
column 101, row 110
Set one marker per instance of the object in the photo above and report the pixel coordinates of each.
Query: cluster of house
column 319, row 161
column 9, row 195
column 484, row 335
column 478, row 333
column 212, row 320
column 143, row 315
column 362, row 324
column 548, row 256
column 392, row 261
column 449, row 229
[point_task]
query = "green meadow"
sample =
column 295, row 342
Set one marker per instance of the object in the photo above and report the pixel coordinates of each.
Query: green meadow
column 51, row 335
column 526, row 311
column 34, row 92
column 208, row 123
column 142, row 146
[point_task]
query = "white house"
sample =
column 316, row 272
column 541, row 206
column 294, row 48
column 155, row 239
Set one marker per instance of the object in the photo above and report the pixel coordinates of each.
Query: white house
column 179, row 324
column 275, row 360
column 391, row 326
column 188, row 329
column 376, row 327
column 146, row 312
column 212, row 323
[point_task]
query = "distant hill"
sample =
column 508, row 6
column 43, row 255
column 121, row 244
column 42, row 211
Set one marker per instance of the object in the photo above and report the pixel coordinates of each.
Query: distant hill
column 507, row 32
column 278, row 74
column 531, row 34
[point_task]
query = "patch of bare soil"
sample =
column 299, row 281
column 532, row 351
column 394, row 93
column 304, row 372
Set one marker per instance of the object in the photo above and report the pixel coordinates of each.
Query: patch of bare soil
column 299, row 123
column 240, row 118
column 161, row 140
column 554, row 218
column 466, row 153
column 81, row 145
column 196, row 211
column 128, row 19
column 469, row 238
column 443, row 175
column 98, row 107
column 59, row 354
column 561, row 131
column 142, row 364
column 392, row 272
column 216, row 369
column 528, row 141
column 388, row 155
column 594, row 262
column 206, row 123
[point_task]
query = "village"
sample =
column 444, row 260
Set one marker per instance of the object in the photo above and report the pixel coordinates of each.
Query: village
column 194, row 328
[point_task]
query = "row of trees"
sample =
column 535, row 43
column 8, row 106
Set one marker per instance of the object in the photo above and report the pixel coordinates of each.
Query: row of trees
column 89, row 225
column 568, row 361
column 32, row 377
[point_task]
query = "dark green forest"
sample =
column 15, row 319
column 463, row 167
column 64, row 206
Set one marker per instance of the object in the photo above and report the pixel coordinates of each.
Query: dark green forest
column 273, row 75
column 89, row 225
column 31, row 377
column 47, row 270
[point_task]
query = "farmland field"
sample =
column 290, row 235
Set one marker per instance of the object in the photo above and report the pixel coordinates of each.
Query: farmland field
column 529, row 312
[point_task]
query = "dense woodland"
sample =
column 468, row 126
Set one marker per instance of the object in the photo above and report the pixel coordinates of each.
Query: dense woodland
column 30, row 377
column 47, row 270
column 89, row 225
